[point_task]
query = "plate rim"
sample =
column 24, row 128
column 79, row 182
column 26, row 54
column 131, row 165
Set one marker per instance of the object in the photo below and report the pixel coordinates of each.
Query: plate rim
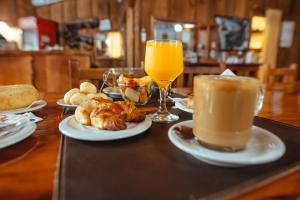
column 182, row 147
column 24, row 110
column 180, row 106
column 65, row 129
column 111, row 93
column 18, row 138
column 64, row 104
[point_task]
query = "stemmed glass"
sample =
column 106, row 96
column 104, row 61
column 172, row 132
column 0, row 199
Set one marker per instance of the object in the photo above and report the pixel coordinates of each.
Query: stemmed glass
column 163, row 63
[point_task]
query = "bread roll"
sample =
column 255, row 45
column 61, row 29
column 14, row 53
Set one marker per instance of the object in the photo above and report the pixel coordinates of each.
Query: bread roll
column 88, row 88
column 17, row 96
column 78, row 98
column 69, row 94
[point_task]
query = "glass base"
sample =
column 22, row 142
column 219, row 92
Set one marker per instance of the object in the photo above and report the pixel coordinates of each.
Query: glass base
column 163, row 117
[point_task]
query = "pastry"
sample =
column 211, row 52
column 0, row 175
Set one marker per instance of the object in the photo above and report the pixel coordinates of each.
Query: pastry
column 100, row 94
column 88, row 88
column 83, row 111
column 106, row 114
column 107, row 120
column 17, row 96
column 132, row 113
column 78, row 98
column 69, row 94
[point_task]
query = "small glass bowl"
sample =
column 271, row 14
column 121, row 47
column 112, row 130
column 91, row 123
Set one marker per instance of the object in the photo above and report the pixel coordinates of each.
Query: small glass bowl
column 136, row 90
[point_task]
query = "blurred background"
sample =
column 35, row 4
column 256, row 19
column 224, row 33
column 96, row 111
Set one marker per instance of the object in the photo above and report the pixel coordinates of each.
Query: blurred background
column 43, row 35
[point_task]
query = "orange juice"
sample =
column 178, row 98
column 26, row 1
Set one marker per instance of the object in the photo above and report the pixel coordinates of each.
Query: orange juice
column 163, row 61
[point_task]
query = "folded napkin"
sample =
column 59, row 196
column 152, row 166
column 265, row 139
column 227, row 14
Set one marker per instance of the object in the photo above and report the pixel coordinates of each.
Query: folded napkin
column 8, row 121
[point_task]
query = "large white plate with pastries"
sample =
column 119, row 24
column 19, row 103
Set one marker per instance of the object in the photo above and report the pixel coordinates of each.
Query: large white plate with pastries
column 71, row 128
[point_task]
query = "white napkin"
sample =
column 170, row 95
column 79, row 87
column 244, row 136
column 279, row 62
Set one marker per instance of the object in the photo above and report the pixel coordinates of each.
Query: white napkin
column 13, row 120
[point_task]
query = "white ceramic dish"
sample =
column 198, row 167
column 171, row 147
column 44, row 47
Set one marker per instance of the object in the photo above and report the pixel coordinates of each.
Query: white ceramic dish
column 263, row 147
column 38, row 105
column 20, row 135
column 61, row 102
column 180, row 103
column 71, row 128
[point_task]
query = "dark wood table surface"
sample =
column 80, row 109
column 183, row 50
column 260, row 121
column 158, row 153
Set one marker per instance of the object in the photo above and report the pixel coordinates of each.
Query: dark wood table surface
column 27, row 169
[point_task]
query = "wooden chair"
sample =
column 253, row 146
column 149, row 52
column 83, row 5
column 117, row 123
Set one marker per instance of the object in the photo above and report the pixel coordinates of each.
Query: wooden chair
column 78, row 74
column 242, row 69
column 16, row 69
column 187, row 77
column 282, row 78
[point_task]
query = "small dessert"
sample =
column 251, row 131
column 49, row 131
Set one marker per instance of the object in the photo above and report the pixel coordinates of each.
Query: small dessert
column 69, row 94
column 136, row 90
column 17, row 96
column 78, row 98
column 87, row 90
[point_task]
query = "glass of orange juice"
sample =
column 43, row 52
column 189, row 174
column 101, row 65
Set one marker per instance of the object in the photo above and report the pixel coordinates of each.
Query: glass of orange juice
column 163, row 63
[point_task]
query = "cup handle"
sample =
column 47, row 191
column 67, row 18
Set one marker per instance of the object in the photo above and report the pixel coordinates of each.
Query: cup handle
column 259, row 100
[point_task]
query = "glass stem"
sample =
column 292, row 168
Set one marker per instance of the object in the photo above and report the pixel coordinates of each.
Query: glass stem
column 162, row 100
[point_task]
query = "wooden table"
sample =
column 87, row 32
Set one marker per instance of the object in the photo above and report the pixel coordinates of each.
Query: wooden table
column 27, row 169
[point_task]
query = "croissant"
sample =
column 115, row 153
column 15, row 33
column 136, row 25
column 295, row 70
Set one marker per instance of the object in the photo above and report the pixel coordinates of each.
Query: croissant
column 106, row 114
column 132, row 113
column 107, row 120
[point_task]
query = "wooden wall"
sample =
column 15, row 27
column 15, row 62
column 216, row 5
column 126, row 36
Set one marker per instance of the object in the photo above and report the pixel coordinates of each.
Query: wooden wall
column 69, row 10
column 201, row 11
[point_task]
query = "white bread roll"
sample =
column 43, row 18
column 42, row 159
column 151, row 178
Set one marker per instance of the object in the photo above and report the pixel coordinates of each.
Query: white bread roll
column 17, row 96
column 69, row 94
column 78, row 98
column 88, row 88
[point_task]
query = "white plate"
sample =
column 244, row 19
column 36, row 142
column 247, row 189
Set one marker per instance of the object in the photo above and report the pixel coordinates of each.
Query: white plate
column 71, row 128
column 17, row 137
column 110, row 92
column 180, row 104
column 61, row 102
column 39, row 105
column 263, row 147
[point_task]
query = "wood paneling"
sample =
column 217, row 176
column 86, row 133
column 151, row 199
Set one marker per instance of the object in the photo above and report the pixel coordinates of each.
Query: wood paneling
column 44, row 12
column 201, row 11
column 84, row 8
column 7, row 12
column 69, row 10
column 56, row 12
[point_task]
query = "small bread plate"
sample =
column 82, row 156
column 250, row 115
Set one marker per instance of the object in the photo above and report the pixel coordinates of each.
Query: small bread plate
column 71, row 128
column 33, row 107
column 17, row 136
column 181, row 103
column 112, row 92
column 263, row 147
column 61, row 102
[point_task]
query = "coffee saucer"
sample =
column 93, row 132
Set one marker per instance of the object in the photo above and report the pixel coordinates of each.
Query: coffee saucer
column 263, row 147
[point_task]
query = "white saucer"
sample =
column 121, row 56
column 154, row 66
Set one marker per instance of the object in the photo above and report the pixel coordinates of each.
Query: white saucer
column 110, row 92
column 179, row 103
column 40, row 104
column 17, row 137
column 263, row 147
column 61, row 102
column 71, row 128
